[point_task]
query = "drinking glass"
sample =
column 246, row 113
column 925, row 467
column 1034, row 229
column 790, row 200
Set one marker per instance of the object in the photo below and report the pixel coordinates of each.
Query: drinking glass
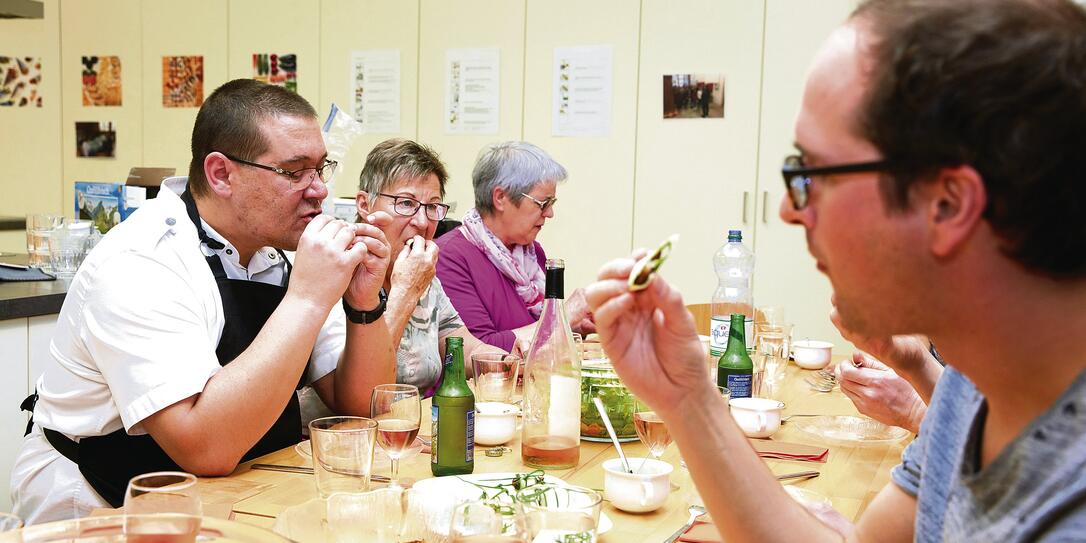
column 494, row 376
column 592, row 352
column 342, row 453
column 162, row 506
column 397, row 410
column 774, row 342
column 488, row 521
column 68, row 245
column 9, row 522
column 38, row 228
column 376, row 516
column 651, row 430
column 561, row 513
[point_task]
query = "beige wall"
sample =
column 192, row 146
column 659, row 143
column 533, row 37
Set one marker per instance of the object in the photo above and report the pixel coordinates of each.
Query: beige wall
column 646, row 179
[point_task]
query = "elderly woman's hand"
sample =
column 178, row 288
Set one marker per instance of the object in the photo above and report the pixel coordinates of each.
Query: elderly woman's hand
column 415, row 267
column 580, row 317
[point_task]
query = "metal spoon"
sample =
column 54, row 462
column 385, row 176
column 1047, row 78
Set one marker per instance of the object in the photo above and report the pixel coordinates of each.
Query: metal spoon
column 611, row 432
column 695, row 512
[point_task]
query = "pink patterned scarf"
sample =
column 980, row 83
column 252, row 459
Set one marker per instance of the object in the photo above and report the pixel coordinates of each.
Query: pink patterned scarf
column 519, row 265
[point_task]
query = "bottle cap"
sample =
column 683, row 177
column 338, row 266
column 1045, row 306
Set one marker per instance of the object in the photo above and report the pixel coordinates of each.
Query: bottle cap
column 735, row 235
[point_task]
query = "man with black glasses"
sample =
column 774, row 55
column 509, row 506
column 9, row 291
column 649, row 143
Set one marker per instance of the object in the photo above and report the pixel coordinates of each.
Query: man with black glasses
column 939, row 183
column 186, row 331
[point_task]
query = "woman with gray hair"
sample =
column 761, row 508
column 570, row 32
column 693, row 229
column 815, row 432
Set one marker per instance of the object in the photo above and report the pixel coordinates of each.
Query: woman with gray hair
column 407, row 180
column 491, row 266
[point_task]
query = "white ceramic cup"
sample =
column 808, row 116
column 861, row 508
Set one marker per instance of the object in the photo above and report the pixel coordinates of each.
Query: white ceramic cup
column 757, row 417
column 810, row 354
column 495, row 423
column 642, row 491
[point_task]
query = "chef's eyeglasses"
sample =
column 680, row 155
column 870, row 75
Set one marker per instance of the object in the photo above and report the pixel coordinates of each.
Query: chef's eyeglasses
column 408, row 206
column 797, row 176
column 544, row 203
column 300, row 178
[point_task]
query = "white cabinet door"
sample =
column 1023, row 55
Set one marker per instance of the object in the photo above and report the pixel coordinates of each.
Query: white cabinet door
column 13, row 355
column 785, row 273
column 692, row 174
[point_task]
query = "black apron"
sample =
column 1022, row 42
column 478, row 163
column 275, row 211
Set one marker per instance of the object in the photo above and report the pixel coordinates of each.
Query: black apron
column 108, row 462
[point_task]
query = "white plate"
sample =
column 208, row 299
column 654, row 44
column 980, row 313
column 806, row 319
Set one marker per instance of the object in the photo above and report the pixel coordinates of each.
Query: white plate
column 849, row 430
column 806, row 497
column 458, row 488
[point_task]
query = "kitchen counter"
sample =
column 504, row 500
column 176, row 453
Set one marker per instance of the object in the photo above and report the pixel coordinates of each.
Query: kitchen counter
column 21, row 299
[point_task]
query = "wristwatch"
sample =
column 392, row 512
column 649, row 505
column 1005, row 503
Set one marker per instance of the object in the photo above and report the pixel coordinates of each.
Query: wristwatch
column 366, row 317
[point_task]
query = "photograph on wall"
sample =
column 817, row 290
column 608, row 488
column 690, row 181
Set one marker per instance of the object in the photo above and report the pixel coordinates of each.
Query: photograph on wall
column 375, row 90
column 101, row 81
column 279, row 70
column 20, row 81
column 95, row 139
column 183, row 81
column 694, row 96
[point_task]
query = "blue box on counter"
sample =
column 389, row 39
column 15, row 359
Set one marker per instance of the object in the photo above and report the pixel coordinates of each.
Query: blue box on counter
column 106, row 204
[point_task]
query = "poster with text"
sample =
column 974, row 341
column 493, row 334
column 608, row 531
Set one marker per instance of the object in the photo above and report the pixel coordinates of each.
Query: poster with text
column 472, row 87
column 183, row 81
column 276, row 69
column 95, row 139
column 582, row 91
column 375, row 90
column 20, row 81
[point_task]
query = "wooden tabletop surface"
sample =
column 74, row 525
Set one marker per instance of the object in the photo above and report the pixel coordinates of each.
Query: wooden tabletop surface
column 850, row 478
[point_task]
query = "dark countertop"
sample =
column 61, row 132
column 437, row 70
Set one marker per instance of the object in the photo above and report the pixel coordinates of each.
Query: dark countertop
column 11, row 222
column 23, row 299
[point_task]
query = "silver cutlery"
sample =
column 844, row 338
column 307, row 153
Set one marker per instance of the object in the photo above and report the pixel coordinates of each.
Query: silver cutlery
column 798, row 475
column 304, row 469
column 695, row 512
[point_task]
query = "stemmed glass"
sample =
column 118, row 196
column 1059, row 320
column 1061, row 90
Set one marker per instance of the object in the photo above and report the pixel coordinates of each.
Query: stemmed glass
column 162, row 504
column 651, row 430
column 488, row 521
column 397, row 410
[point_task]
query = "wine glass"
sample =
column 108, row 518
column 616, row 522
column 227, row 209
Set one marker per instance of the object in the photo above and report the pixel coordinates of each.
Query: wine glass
column 651, row 430
column 488, row 521
column 161, row 506
column 397, row 410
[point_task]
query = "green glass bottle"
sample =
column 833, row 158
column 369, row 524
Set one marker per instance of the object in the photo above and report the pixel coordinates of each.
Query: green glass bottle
column 452, row 449
column 735, row 369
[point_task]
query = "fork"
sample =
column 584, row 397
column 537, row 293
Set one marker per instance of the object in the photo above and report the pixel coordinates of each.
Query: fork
column 695, row 512
column 823, row 381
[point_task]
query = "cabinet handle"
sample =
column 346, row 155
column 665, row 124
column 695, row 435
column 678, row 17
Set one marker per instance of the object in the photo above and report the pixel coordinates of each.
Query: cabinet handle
column 765, row 206
column 746, row 196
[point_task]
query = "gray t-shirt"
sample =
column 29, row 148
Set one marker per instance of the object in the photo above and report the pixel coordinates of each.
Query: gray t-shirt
column 1034, row 490
column 418, row 360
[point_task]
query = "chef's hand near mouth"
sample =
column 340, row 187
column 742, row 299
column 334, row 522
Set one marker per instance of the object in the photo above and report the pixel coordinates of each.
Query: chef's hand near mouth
column 327, row 258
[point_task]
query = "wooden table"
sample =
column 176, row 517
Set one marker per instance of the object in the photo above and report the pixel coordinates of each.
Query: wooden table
column 851, row 477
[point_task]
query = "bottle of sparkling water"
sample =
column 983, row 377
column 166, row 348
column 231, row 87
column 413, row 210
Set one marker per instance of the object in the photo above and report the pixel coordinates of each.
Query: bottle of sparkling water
column 551, row 437
column 452, row 450
column 734, row 265
column 735, row 368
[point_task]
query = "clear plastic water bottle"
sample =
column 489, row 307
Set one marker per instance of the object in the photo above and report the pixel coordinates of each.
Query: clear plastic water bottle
column 734, row 265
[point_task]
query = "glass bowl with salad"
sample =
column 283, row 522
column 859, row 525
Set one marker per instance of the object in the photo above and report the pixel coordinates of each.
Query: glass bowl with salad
column 598, row 379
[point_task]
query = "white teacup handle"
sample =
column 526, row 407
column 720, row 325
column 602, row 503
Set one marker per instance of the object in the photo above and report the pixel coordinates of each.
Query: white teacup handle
column 646, row 492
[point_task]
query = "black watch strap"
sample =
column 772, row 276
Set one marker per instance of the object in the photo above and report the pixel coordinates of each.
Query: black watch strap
column 366, row 317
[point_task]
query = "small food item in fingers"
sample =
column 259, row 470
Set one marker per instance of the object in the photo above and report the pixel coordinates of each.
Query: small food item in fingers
column 645, row 269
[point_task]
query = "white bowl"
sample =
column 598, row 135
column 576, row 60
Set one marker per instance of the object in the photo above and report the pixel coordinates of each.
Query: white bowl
column 495, row 423
column 812, row 355
column 644, row 490
column 757, row 417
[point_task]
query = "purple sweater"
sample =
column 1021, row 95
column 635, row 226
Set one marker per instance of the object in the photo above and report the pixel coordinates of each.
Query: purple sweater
column 486, row 300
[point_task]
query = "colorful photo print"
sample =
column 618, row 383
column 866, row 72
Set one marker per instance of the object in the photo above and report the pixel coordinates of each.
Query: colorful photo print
column 182, row 81
column 280, row 70
column 102, row 81
column 692, row 96
column 20, row 81
column 95, row 139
